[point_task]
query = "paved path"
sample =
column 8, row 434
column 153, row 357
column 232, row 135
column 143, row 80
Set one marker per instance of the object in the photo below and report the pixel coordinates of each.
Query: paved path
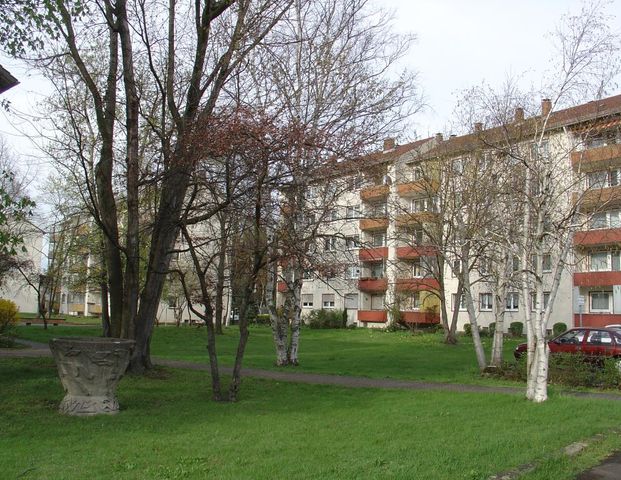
column 609, row 469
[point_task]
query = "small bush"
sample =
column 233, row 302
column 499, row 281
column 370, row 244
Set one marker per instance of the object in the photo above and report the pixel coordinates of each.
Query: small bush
column 491, row 329
column 558, row 328
column 326, row 319
column 516, row 329
column 262, row 319
column 8, row 320
column 467, row 330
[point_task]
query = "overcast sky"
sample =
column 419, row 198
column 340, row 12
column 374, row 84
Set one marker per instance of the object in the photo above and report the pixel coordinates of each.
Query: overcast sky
column 460, row 44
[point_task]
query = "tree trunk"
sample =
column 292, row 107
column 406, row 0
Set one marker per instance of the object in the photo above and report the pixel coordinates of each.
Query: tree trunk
column 220, row 275
column 296, row 319
column 105, row 314
column 476, row 337
column 216, row 388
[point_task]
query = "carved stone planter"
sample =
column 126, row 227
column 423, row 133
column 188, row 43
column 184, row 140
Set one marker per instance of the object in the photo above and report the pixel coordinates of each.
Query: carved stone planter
column 90, row 369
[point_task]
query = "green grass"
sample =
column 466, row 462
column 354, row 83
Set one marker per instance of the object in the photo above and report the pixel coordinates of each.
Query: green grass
column 169, row 428
column 360, row 352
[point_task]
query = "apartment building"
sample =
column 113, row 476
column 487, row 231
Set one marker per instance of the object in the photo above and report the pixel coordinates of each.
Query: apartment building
column 383, row 226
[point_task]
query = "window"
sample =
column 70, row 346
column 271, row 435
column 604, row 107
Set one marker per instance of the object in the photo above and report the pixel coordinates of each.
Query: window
column 599, row 262
column 332, row 214
column 609, row 219
column 352, row 211
column 417, row 173
column 329, row 244
column 351, row 301
column 516, row 263
column 600, row 301
column 547, row 262
column 603, row 178
column 307, row 275
column 513, row 301
column 378, row 239
column 377, row 270
column 599, row 337
column 411, row 301
column 353, row 271
column 352, row 242
column 534, row 303
column 462, row 301
column 377, row 302
column 485, row 302
column 172, row 302
column 376, row 210
column 456, row 267
column 307, row 300
column 417, row 236
column 573, row 337
column 417, row 268
column 427, row 204
column 327, row 300
column 485, row 266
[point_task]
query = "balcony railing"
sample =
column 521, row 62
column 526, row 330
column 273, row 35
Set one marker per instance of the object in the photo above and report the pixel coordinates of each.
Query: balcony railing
column 596, row 319
column 418, row 187
column 374, row 193
column 374, row 316
column 373, row 285
column 596, row 279
column 410, row 253
column 417, row 284
column 592, row 238
column 609, row 197
column 370, row 224
column 373, row 254
column 416, row 218
column 419, row 317
column 594, row 159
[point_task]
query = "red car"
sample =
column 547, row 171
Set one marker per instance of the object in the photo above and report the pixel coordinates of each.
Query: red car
column 590, row 341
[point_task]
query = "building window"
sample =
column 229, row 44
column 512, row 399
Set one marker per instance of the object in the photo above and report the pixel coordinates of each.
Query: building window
column 307, row 275
column 600, row 301
column 377, row 270
column 599, row 262
column 485, row 302
column 352, row 242
column 513, row 301
column 378, row 239
column 351, row 301
column 377, row 302
column 417, row 173
column 533, row 301
column 327, row 300
column 352, row 211
column 609, row 219
column 352, row 272
column 307, row 300
column 423, row 205
column 376, row 210
column 411, row 302
column 329, row 244
column 547, row 262
column 462, row 302
column 172, row 302
column 417, row 268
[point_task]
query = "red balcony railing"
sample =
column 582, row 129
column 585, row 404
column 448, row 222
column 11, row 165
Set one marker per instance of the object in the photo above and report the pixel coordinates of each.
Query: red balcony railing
column 596, row 279
column 374, row 193
column 419, row 317
column 594, row 159
column 596, row 319
column 375, row 316
column 591, row 238
column 373, row 254
column 410, row 253
column 373, row 224
column 373, row 285
column 417, row 284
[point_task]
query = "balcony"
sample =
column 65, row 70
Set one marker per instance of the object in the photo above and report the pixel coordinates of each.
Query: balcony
column 94, row 309
column 373, row 285
column 596, row 319
column 596, row 279
column 417, row 284
column 598, row 197
column 375, row 316
column 416, row 218
column 592, row 238
column 374, row 193
column 412, row 253
column 76, row 307
column 371, row 224
column 420, row 317
column 418, row 187
column 594, row 159
column 373, row 254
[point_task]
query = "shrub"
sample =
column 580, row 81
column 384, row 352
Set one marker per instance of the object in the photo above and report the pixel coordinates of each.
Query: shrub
column 558, row 328
column 516, row 329
column 8, row 320
column 326, row 319
column 467, row 330
column 262, row 319
column 491, row 329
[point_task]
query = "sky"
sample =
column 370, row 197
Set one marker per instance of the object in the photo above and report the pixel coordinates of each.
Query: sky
column 460, row 43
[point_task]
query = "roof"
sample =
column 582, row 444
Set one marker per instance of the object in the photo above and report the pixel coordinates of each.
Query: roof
column 6, row 80
column 573, row 117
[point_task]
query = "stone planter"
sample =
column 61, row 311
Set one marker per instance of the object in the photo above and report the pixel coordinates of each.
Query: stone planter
column 90, row 369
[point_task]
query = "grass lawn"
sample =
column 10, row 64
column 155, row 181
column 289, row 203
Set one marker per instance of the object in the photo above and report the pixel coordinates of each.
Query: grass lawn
column 169, row 429
column 360, row 352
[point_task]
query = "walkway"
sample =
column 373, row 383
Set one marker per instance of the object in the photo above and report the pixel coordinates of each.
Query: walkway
column 609, row 469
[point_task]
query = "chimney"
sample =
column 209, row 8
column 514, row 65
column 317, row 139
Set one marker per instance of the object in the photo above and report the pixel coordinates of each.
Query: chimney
column 389, row 144
column 519, row 115
column 478, row 127
column 546, row 107
column 439, row 137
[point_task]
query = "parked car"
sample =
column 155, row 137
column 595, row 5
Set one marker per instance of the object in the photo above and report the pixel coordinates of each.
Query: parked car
column 588, row 341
